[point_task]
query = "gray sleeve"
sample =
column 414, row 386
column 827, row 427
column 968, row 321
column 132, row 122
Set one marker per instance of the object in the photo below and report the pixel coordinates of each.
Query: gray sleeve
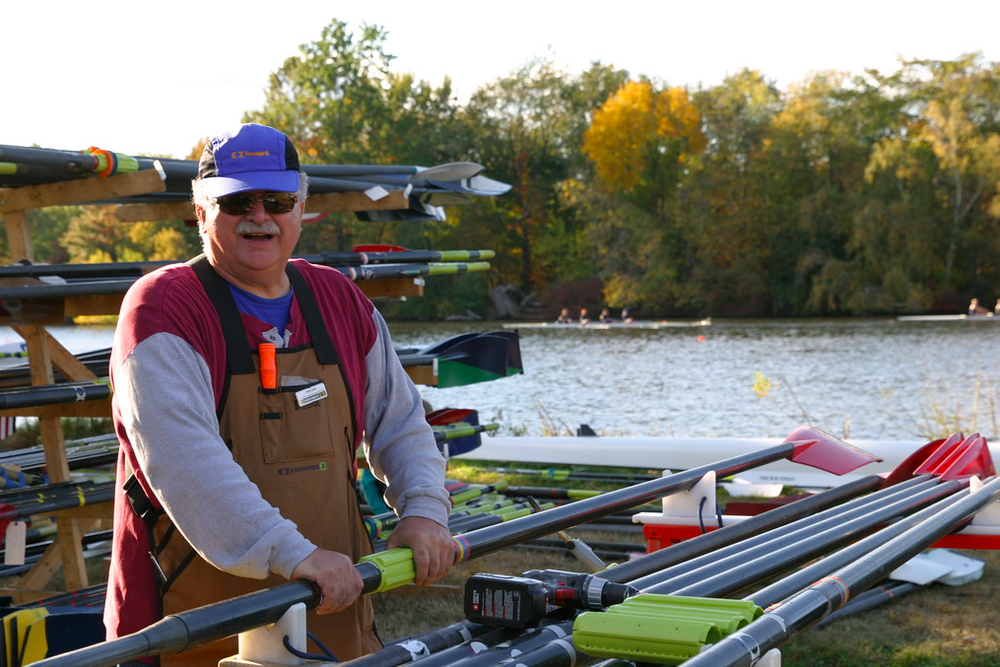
column 399, row 443
column 164, row 393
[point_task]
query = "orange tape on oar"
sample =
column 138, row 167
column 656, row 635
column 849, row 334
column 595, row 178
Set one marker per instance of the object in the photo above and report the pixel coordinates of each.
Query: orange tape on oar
column 110, row 161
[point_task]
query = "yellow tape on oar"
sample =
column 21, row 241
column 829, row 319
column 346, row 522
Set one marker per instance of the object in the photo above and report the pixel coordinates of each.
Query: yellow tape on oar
column 21, row 645
column 440, row 268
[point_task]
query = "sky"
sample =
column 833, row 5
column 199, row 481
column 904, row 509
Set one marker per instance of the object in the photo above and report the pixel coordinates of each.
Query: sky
column 154, row 78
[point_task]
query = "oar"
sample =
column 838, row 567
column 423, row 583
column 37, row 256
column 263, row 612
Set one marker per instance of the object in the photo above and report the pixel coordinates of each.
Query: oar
column 377, row 271
column 91, row 287
column 87, row 452
column 417, row 211
column 54, row 394
column 19, row 374
column 96, row 161
column 395, row 568
column 870, row 599
column 555, row 647
column 554, row 493
column 451, row 171
column 552, row 637
column 724, row 576
column 468, row 358
column 566, row 475
column 785, row 519
column 452, row 431
column 425, row 189
column 812, row 604
column 397, row 257
column 50, row 291
column 66, row 499
column 344, row 258
column 805, row 445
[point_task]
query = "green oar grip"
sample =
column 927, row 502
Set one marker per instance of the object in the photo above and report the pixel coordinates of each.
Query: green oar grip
column 663, row 629
column 395, row 566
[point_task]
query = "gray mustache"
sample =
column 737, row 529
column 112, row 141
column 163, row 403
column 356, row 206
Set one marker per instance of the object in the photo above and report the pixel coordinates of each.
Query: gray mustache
column 267, row 227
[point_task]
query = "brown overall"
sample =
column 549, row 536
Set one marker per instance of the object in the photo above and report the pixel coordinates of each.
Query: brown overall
column 302, row 460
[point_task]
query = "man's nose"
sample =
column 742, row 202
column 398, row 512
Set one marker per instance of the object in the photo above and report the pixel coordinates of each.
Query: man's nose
column 257, row 211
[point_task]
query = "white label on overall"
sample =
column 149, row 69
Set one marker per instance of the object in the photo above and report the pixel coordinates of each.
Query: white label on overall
column 311, row 394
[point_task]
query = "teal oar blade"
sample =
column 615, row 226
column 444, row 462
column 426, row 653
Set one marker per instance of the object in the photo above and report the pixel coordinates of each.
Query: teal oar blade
column 480, row 358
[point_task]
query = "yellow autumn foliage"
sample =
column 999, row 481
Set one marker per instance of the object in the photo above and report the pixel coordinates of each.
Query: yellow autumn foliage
column 634, row 120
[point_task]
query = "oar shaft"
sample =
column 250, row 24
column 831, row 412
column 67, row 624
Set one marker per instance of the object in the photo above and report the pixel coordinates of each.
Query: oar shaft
column 811, row 605
column 48, row 157
column 769, row 559
column 733, row 533
column 737, row 552
column 53, row 395
column 189, row 629
column 485, row 541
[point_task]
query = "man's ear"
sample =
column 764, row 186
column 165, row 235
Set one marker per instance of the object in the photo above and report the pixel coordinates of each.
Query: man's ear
column 199, row 212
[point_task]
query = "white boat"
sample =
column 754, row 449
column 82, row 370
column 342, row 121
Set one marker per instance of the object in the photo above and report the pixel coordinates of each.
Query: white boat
column 600, row 326
column 948, row 318
column 684, row 453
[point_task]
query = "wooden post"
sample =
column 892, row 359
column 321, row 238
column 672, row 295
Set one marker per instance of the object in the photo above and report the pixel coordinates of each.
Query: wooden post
column 18, row 240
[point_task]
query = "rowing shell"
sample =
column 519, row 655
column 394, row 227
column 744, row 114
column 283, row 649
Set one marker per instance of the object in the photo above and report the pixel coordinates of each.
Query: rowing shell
column 683, row 454
column 636, row 324
column 947, row 318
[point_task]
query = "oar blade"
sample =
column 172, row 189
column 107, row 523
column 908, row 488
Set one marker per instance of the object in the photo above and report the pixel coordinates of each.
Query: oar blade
column 960, row 460
column 451, row 171
column 907, row 468
column 821, row 450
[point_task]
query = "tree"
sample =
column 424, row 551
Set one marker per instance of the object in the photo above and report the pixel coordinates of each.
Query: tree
column 935, row 174
column 640, row 141
column 340, row 103
column 96, row 235
column 523, row 127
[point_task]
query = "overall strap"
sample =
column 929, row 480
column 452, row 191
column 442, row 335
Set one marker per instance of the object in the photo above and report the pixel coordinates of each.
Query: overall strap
column 323, row 346
column 326, row 352
column 238, row 357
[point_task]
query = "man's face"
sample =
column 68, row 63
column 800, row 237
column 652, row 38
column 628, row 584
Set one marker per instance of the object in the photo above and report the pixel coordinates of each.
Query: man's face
column 252, row 246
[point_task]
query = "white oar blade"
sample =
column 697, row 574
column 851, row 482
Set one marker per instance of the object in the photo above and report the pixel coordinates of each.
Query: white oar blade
column 451, row 171
column 485, row 187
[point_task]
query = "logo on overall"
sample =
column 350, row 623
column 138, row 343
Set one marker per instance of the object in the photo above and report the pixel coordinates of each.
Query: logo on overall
column 314, row 466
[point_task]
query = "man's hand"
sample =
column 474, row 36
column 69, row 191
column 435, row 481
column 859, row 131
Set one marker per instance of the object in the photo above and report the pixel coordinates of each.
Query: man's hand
column 432, row 545
column 336, row 577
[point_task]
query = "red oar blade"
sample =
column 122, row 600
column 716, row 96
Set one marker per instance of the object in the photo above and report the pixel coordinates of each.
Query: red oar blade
column 960, row 460
column 946, row 449
column 918, row 459
column 818, row 449
column 377, row 247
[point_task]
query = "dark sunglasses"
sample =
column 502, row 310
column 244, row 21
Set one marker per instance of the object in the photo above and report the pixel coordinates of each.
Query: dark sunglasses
column 274, row 202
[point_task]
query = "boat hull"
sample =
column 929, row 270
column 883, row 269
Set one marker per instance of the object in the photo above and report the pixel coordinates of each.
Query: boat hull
column 601, row 326
column 684, row 453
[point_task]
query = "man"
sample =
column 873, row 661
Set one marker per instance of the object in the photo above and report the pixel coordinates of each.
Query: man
column 230, row 481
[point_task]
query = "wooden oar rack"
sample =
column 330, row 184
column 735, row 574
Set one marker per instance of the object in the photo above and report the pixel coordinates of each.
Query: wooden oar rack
column 29, row 317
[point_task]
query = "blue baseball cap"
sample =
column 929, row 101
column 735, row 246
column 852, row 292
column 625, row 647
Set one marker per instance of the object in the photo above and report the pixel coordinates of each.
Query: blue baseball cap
column 255, row 157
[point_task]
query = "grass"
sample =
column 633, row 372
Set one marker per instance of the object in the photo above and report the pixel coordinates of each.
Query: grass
column 937, row 626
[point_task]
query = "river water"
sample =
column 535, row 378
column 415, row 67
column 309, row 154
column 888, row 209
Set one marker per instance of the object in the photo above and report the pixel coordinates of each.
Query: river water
column 856, row 378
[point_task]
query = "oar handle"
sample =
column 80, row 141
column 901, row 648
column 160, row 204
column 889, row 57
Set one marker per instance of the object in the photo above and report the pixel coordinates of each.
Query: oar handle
column 387, row 570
